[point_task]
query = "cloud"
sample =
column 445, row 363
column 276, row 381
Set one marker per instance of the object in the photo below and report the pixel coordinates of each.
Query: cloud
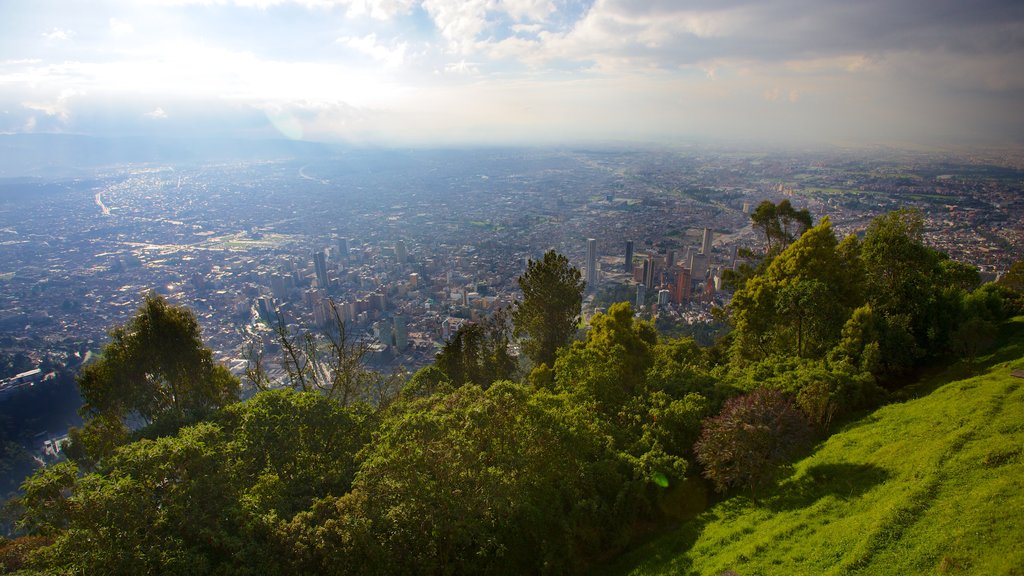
column 58, row 108
column 156, row 114
column 369, row 46
column 461, row 67
column 120, row 28
column 379, row 9
column 58, row 35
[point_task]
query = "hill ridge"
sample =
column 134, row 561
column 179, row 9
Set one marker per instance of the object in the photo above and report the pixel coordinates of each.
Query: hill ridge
column 931, row 485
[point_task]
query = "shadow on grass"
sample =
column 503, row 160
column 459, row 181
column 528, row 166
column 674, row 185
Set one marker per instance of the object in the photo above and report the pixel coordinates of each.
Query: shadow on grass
column 840, row 480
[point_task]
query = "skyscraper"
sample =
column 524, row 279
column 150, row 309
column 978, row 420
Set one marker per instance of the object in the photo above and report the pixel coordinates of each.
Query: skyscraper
column 342, row 249
column 641, row 296
column 628, row 267
column 591, row 264
column 401, row 333
column 705, row 246
column 682, row 286
column 400, row 254
column 320, row 265
column 649, row 270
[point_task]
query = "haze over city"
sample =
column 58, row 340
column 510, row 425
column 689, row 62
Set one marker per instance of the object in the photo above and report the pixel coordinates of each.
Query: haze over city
column 442, row 72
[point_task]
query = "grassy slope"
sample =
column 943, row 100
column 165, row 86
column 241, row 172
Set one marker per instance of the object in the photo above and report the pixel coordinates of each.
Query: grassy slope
column 934, row 485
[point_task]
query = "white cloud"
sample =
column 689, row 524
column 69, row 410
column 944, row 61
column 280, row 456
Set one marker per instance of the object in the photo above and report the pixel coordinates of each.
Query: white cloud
column 460, row 22
column 376, row 9
column 58, row 108
column 369, row 46
column 156, row 114
column 461, row 67
column 535, row 10
column 120, row 28
column 58, row 35
column 379, row 9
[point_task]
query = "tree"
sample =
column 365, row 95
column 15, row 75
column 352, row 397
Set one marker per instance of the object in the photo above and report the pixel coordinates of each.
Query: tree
column 156, row 367
column 478, row 353
column 610, row 365
column 1014, row 277
column 209, row 499
column 798, row 304
column 780, row 225
column 549, row 312
column 507, row 480
column 750, row 439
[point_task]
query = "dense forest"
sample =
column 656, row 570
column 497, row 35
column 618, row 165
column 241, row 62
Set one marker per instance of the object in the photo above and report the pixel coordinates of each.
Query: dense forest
column 554, row 460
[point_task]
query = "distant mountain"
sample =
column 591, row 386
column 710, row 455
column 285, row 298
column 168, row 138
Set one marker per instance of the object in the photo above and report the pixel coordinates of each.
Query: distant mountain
column 69, row 154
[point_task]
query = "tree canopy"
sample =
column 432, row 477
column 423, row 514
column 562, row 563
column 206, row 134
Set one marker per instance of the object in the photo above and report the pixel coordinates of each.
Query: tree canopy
column 549, row 312
column 154, row 368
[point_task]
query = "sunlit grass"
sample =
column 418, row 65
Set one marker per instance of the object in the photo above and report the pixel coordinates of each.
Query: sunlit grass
column 934, row 485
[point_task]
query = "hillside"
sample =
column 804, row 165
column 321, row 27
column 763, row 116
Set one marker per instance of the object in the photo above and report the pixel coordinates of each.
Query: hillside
column 932, row 485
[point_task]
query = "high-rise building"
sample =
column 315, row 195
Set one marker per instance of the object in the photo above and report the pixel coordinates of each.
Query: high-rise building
column 342, row 249
column 400, row 254
column 401, row 333
column 591, row 264
column 682, row 286
column 641, row 296
column 648, row 279
column 279, row 286
column 628, row 267
column 670, row 259
column 705, row 246
column 320, row 264
column 662, row 298
column 698, row 266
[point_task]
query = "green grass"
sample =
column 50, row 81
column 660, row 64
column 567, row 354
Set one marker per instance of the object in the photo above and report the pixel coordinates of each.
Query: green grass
column 934, row 485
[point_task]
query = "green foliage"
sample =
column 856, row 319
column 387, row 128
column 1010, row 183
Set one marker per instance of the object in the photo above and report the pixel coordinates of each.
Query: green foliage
column 798, row 304
column 1014, row 277
column 752, row 437
column 426, row 381
column 155, row 367
column 932, row 485
column 549, row 312
column 478, row 353
column 610, row 365
column 211, row 498
column 779, row 225
column 44, row 499
column 503, row 480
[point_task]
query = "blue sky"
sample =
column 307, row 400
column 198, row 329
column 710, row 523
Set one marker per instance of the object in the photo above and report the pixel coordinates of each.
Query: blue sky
column 441, row 72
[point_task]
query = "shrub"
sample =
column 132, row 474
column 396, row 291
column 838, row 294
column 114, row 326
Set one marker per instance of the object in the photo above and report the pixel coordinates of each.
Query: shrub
column 750, row 439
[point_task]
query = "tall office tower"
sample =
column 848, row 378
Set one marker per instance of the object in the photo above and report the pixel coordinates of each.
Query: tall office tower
column 320, row 264
column 591, row 264
column 682, row 286
column 641, row 296
column 705, row 246
column 698, row 266
column 342, row 249
column 670, row 259
column 401, row 333
column 400, row 254
column 662, row 298
column 628, row 267
column 279, row 286
column 649, row 270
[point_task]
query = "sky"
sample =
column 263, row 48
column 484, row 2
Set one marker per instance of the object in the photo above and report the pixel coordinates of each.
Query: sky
column 463, row 72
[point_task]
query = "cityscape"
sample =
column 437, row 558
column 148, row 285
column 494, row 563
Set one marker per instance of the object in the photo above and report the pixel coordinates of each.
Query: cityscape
column 411, row 244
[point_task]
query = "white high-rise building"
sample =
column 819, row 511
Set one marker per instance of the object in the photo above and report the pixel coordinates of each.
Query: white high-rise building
column 591, row 264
